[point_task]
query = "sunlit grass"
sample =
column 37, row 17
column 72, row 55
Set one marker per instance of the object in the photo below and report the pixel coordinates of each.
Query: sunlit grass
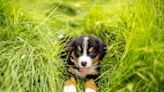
column 30, row 43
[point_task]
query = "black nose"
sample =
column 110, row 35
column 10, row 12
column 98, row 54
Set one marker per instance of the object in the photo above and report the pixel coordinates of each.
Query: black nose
column 84, row 63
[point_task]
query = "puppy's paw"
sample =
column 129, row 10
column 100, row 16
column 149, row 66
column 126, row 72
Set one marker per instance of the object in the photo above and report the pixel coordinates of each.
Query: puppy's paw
column 89, row 90
column 90, row 86
column 70, row 88
column 70, row 85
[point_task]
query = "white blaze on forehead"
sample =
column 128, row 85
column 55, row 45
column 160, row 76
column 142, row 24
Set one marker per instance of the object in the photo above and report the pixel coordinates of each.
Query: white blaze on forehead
column 84, row 56
column 85, row 44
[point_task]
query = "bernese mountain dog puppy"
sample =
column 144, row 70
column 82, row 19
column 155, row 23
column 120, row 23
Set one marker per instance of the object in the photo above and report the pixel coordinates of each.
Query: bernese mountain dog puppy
column 84, row 55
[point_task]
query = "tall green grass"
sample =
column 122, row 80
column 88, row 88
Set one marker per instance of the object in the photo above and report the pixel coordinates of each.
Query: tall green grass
column 30, row 43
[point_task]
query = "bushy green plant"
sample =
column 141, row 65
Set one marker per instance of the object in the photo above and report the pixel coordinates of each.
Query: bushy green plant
column 30, row 43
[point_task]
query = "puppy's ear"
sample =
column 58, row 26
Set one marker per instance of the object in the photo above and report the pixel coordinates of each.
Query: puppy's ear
column 71, row 45
column 102, row 49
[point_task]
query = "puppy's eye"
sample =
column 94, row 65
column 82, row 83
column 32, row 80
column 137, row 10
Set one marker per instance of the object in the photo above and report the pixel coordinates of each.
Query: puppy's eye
column 92, row 53
column 77, row 53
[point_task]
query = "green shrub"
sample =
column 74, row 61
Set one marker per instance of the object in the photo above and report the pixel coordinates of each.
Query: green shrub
column 30, row 43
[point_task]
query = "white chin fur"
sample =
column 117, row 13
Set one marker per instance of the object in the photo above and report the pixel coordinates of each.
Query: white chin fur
column 70, row 88
column 89, row 90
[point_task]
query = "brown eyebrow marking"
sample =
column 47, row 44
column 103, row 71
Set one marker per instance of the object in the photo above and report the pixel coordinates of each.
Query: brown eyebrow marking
column 90, row 49
column 79, row 48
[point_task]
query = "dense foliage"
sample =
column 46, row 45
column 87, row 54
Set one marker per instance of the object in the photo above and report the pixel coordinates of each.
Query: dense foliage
column 30, row 43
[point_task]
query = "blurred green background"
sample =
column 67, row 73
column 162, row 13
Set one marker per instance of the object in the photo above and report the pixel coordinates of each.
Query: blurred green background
column 30, row 43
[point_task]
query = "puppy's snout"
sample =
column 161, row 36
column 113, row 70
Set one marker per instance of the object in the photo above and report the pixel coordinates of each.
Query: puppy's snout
column 83, row 63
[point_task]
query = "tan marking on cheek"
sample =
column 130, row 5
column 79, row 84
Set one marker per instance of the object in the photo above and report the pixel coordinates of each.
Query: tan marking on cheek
column 72, row 70
column 75, row 72
column 90, row 84
column 94, row 60
column 90, row 49
column 74, row 57
column 79, row 48
column 71, row 81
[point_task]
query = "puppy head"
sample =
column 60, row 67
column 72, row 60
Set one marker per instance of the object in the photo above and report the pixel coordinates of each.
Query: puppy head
column 86, row 52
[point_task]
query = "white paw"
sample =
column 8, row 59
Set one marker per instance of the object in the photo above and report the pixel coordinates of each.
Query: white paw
column 89, row 90
column 70, row 88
